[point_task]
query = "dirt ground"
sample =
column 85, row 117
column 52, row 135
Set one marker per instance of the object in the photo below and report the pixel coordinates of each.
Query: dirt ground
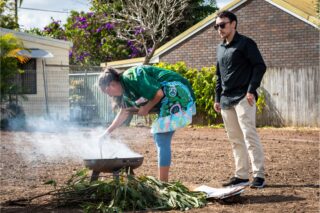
column 200, row 156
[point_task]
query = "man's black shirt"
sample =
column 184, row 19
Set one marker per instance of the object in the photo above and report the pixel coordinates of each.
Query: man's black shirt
column 240, row 68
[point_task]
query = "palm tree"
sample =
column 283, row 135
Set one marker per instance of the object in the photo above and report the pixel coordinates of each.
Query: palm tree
column 9, row 88
column 9, row 60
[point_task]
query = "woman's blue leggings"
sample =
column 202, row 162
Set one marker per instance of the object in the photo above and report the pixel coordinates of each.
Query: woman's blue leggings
column 163, row 143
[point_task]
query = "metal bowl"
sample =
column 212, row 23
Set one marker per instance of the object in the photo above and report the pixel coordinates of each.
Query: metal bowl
column 113, row 164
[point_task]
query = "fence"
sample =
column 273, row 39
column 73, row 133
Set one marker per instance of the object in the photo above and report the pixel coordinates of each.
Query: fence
column 292, row 97
column 87, row 103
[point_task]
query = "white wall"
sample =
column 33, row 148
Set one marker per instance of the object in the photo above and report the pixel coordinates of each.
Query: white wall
column 57, row 77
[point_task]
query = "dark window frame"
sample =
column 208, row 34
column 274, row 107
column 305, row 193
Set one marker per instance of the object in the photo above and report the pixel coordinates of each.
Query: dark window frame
column 28, row 79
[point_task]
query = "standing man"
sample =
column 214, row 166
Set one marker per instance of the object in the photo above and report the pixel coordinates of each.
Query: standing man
column 240, row 69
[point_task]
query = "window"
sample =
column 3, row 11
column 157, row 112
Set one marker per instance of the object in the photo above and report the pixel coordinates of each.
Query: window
column 28, row 80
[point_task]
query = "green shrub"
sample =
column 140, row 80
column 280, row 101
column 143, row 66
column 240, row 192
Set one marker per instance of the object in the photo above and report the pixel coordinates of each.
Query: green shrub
column 261, row 102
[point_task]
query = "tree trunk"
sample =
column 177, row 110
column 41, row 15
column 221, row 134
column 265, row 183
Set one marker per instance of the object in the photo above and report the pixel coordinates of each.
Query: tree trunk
column 148, row 56
column 16, row 11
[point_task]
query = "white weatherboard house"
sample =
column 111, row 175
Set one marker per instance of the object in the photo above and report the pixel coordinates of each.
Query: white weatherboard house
column 46, row 77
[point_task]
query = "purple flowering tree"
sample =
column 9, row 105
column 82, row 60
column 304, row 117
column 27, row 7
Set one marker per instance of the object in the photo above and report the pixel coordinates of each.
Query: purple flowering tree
column 94, row 40
column 121, row 29
column 144, row 23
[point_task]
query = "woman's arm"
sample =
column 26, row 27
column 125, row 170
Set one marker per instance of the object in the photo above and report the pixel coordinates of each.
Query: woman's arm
column 121, row 117
column 144, row 110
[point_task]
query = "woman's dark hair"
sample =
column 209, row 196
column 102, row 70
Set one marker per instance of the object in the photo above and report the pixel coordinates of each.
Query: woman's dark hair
column 227, row 14
column 108, row 75
column 105, row 78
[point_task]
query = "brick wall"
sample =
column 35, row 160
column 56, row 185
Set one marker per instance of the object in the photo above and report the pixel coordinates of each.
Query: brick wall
column 284, row 40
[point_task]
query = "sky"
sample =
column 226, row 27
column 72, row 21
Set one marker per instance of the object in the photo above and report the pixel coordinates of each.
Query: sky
column 30, row 18
column 34, row 18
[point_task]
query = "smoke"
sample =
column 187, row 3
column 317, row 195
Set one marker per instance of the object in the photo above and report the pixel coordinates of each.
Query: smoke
column 54, row 141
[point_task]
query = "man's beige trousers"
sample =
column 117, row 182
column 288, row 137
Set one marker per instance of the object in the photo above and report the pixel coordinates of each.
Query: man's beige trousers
column 240, row 124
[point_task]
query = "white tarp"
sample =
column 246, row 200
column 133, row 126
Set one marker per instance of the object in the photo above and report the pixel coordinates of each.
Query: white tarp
column 220, row 193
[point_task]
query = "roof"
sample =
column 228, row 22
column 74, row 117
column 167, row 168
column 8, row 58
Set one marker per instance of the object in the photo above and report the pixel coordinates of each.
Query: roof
column 35, row 53
column 38, row 39
column 305, row 10
column 124, row 63
column 307, row 6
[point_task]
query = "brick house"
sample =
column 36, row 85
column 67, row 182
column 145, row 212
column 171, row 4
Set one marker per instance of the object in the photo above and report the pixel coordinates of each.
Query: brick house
column 287, row 34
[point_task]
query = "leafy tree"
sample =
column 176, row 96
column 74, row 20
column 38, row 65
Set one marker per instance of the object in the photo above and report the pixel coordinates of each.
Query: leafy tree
column 7, row 15
column 148, row 24
column 145, row 22
column 95, row 38
column 195, row 12
column 9, row 58
column 9, row 88
column 93, row 41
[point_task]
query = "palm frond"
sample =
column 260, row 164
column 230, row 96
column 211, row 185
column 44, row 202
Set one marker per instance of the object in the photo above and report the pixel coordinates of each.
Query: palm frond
column 15, row 54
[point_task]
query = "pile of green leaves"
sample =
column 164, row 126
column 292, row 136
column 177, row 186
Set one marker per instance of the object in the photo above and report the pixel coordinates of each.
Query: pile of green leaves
column 126, row 193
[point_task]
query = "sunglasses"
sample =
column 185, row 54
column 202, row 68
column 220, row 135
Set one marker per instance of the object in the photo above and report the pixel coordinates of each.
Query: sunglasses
column 221, row 25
